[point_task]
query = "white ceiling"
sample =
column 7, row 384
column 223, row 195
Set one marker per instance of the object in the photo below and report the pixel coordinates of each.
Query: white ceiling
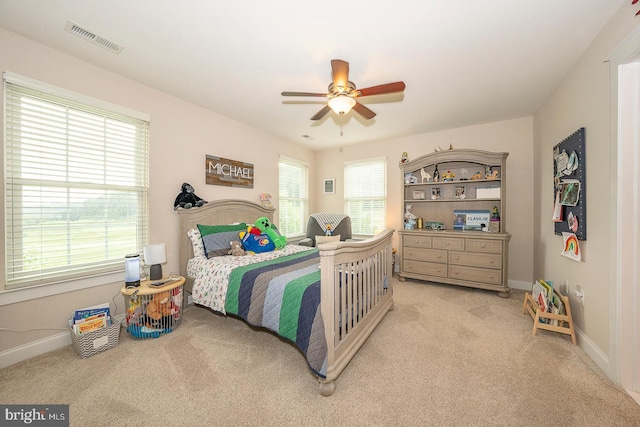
column 464, row 62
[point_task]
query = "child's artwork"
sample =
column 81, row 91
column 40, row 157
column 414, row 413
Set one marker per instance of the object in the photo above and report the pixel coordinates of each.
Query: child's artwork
column 571, row 247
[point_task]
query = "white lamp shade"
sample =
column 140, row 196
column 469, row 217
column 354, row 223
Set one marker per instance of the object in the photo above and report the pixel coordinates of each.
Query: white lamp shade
column 342, row 104
column 154, row 255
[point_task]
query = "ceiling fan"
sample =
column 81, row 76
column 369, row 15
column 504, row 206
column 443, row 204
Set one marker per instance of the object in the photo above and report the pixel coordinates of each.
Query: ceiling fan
column 342, row 93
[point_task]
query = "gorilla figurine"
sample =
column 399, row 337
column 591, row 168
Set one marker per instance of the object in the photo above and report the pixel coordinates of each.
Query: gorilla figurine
column 187, row 198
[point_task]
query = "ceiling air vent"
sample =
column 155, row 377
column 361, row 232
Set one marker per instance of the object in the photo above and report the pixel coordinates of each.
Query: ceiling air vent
column 89, row 36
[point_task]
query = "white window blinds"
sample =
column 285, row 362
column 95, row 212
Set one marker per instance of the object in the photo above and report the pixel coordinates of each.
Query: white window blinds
column 76, row 186
column 293, row 199
column 365, row 195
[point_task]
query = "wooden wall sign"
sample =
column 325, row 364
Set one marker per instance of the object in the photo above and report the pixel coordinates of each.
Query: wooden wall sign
column 230, row 173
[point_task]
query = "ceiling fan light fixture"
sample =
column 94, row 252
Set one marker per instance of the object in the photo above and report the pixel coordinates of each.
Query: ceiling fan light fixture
column 342, row 104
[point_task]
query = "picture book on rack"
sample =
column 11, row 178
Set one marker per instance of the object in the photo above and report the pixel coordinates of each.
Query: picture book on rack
column 548, row 299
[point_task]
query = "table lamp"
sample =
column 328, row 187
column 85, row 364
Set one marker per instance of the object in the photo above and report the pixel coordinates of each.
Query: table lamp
column 154, row 255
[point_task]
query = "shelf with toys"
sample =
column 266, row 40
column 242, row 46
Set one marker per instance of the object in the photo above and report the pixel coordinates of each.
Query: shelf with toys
column 462, row 192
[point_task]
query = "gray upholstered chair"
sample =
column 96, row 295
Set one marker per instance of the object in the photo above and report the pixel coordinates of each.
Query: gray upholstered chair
column 317, row 226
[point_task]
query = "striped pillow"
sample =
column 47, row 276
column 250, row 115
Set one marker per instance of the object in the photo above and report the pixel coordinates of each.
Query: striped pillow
column 217, row 238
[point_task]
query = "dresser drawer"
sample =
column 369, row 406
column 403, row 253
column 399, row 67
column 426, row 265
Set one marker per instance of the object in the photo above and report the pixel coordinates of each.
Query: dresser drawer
column 472, row 274
column 417, row 241
column 449, row 243
column 475, row 259
column 421, row 254
column 477, row 245
column 427, row 268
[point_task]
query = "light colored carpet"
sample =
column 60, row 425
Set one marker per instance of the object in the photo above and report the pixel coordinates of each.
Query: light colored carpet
column 444, row 356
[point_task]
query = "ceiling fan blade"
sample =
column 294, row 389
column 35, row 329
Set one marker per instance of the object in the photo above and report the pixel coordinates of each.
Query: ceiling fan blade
column 303, row 94
column 340, row 73
column 364, row 111
column 320, row 114
column 382, row 89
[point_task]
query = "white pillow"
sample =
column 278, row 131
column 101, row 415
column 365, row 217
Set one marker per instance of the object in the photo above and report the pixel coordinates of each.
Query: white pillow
column 327, row 239
column 196, row 243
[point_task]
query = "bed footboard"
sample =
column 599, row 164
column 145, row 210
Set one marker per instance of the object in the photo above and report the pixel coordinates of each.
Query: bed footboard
column 356, row 293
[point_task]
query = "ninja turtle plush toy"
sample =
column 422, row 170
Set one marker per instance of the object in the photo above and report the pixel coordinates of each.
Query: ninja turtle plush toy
column 187, row 198
column 264, row 225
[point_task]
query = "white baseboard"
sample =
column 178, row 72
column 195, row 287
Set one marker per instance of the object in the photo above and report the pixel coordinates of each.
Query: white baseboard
column 594, row 353
column 634, row 395
column 36, row 348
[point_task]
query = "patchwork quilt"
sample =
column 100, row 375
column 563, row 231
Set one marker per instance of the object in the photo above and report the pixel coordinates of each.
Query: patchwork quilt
column 282, row 295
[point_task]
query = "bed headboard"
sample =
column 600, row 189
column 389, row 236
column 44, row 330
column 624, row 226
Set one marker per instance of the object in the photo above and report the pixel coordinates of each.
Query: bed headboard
column 217, row 212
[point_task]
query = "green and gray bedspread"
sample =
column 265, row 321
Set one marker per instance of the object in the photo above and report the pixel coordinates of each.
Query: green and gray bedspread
column 280, row 294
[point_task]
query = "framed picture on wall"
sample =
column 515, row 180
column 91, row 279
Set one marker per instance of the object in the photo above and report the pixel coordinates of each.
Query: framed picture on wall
column 329, row 186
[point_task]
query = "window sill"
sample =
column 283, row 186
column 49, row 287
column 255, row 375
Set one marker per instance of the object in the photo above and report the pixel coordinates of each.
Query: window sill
column 34, row 292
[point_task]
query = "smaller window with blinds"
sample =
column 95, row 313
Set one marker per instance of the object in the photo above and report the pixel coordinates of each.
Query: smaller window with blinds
column 76, row 187
column 365, row 195
column 293, row 197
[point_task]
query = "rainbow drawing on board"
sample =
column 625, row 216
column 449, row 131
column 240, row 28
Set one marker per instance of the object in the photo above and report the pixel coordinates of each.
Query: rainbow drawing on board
column 571, row 247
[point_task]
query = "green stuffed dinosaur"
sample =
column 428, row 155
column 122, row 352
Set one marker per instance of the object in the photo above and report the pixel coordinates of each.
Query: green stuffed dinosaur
column 264, row 225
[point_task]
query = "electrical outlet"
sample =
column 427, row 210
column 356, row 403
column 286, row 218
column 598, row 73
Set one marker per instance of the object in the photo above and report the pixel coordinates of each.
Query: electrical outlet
column 580, row 295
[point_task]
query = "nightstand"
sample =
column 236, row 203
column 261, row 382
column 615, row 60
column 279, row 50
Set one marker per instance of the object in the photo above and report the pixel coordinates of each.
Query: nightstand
column 153, row 311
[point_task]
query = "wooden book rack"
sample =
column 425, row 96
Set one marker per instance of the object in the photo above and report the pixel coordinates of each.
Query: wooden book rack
column 565, row 321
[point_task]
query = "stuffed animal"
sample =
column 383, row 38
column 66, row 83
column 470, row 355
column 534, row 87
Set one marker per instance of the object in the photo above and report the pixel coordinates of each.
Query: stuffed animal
column 256, row 243
column 176, row 302
column 266, row 200
column 187, row 198
column 157, row 308
column 264, row 225
column 236, row 248
column 251, row 230
column 408, row 215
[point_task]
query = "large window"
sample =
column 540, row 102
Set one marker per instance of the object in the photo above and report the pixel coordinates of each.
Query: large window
column 365, row 195
column 76, row 184
column 293, row 200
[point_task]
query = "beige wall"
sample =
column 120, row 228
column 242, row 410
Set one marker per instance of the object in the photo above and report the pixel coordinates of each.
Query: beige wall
column 181, row 135
column 582, row 100
column 512, row 136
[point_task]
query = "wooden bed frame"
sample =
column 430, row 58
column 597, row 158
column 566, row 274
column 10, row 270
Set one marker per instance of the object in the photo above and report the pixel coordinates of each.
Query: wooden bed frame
column 350, row 312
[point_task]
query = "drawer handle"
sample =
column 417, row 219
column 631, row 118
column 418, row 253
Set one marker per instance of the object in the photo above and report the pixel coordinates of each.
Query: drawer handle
column 491, row 276
column 491, row 261
column 457, row 258
column 483, row 245
column 455, row 272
